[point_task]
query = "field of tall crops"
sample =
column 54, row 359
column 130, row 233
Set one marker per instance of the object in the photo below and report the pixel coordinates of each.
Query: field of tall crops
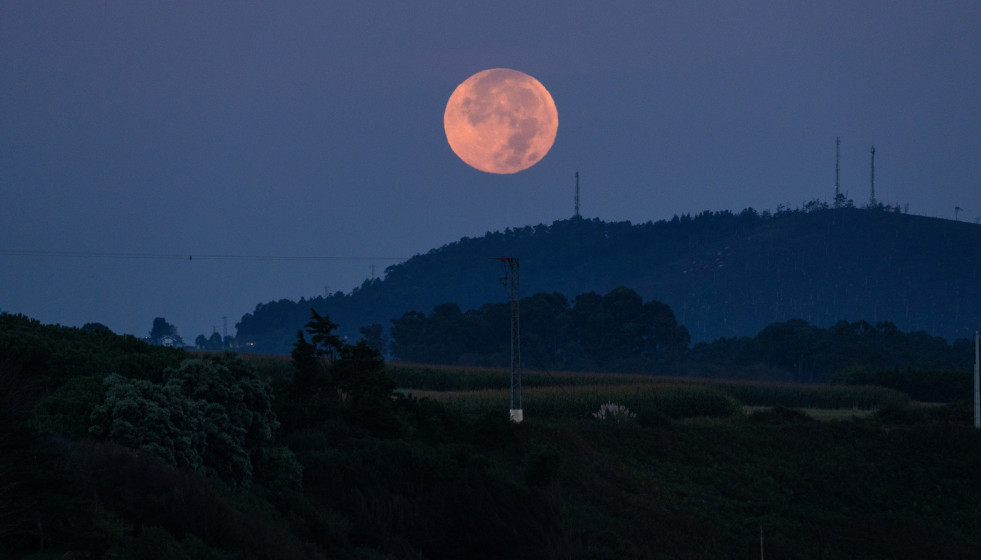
column 647, row 401
column 580, row 394
column 568, row 394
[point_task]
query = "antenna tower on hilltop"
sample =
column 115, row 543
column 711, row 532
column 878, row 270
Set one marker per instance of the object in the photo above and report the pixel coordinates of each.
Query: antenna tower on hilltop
column 577, row 195
column 837, row 161
column 511, row 284
column 872, row 195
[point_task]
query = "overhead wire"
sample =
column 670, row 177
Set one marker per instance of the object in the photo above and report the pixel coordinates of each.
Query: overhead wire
column 186, row 256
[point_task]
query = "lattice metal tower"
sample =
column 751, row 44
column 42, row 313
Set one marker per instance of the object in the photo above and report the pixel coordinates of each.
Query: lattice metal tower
column 511, row 284
column 577, row 195
column 837, row 167
column 872, row 202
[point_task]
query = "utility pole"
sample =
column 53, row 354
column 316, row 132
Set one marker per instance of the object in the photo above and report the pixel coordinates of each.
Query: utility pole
column 511, row 284
column 224, row 329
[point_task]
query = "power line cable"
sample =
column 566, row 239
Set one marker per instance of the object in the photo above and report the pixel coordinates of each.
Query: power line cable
column 185, row 256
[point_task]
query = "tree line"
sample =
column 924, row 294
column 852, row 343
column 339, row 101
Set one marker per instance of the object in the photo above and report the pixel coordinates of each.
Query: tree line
column 619, row 332
column 615, row 332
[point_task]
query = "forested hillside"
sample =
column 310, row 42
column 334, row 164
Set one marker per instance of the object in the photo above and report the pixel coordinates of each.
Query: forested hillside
column 723, row 274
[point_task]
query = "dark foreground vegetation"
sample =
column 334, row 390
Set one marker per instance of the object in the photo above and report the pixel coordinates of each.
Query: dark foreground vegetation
column 111, row 448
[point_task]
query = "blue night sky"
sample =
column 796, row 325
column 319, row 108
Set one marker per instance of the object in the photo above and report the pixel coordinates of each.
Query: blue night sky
column 136, row 134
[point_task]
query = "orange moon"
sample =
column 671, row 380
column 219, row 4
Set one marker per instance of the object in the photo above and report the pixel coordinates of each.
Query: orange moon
column 501, row 121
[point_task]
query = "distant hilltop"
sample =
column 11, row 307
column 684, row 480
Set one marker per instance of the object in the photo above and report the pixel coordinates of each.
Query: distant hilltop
column 723, row 274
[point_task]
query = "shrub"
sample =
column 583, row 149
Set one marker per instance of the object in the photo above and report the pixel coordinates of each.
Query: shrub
column 155, row 543
column 616, row 413
column 900, row 414
column 780, row 415
column 279, row 469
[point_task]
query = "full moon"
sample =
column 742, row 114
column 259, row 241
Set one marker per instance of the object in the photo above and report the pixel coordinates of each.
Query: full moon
column 500, row 121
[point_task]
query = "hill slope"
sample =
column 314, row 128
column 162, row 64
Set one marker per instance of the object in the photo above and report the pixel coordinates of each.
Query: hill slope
column 723, row 274
column 214, row 456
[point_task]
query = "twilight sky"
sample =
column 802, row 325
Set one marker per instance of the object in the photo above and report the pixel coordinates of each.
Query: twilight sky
column 136, row 134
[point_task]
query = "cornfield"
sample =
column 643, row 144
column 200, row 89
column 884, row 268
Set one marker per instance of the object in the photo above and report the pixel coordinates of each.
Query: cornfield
column 580, row 394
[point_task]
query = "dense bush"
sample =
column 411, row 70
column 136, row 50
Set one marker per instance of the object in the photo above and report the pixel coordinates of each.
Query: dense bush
column 920, row 384
column 791, row 395
column 212, row 414
column 159, row 418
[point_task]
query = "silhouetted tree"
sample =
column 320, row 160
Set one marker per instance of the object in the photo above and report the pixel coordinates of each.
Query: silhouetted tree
column 409, row 337
column 162, row 330
column 360, row 375
column 96, row 328
column 373, row 336
column 326, row 343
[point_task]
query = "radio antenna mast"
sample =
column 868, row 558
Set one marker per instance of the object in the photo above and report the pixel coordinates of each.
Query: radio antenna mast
column 872, row 195
column 577, row 195
column 837, row 162
column 511, row 284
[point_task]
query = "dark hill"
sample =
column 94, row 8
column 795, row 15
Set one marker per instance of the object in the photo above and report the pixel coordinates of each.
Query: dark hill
column 723, row 274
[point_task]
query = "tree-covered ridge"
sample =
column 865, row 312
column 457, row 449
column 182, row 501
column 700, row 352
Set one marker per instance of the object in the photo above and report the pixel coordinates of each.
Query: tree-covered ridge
column 724, row 274
column 172, row 423
column 54, row 353
column 211, row 414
